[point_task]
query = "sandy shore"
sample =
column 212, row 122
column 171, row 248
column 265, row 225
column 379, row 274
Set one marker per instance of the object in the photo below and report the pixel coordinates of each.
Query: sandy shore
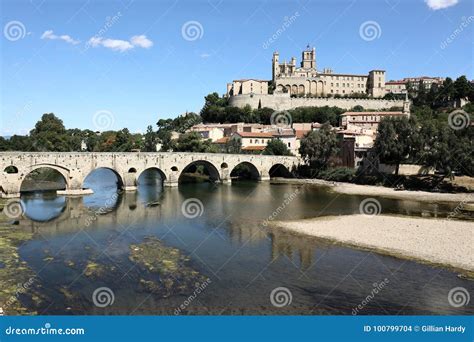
column 446, row 242
column 371, row 190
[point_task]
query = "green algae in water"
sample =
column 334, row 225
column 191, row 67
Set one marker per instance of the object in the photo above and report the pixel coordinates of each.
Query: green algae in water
column 175, row 276
column 16, row 278
column 94, row 270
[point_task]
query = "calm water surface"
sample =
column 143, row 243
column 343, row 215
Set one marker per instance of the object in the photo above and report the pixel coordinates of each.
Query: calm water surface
column 226, row 244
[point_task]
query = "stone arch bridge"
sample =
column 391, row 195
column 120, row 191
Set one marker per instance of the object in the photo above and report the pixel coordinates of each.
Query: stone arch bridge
column 127, row 166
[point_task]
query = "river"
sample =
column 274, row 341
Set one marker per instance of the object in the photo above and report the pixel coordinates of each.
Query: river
column 216, row 255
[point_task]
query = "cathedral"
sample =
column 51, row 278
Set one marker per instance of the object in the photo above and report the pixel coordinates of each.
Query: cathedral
column 306, row 81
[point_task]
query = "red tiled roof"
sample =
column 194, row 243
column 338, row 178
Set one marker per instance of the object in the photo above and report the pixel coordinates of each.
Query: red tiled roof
column 300, row 133
column 253, row 148
column 223, row 140
column 254, row 134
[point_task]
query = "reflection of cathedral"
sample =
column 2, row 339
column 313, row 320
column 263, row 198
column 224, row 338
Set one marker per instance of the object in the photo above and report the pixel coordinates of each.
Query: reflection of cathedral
column 286, row 244
column 306, row 80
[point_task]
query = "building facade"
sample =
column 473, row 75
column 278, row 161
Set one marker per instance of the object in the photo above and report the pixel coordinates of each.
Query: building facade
column 400, row 86
column 358, row 121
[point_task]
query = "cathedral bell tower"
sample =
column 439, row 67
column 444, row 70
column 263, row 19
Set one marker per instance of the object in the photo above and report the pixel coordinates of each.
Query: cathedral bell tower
column 308, row 58
column 275, row 65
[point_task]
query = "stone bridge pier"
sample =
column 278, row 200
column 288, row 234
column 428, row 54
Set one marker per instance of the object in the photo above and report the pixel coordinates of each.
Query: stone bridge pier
column 76, row 166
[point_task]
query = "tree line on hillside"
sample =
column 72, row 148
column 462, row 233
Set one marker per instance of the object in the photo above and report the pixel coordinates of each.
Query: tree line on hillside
column 217, row 110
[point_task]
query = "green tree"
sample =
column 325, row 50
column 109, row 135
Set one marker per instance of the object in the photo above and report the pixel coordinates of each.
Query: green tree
column 447, row 92
column 396, row 141
column 461, row 87
column 447, row 150
column 214, row 106
column 317, row 147
column 233, row 146
column 184, row 122
column 20, row 143
column 123, row 141
column 4, row 144
column 193, row 142
column 276, row 147
column 150, row 140
column 50, row 134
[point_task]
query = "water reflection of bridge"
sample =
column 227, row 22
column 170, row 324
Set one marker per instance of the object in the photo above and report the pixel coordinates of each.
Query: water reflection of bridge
column 124, row 208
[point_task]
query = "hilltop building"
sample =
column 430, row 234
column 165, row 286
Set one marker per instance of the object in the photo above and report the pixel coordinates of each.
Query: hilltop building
column 307, row 80
column 400, row 86
column 305, row 85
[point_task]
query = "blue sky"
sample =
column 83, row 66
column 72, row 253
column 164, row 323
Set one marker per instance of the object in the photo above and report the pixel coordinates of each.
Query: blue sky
column 136, row 62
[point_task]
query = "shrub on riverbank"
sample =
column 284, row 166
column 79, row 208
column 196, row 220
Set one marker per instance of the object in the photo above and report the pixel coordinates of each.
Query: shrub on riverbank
column 340, row 174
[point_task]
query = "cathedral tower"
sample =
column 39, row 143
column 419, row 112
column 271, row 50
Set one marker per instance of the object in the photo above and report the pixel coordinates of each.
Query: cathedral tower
column 308, row 58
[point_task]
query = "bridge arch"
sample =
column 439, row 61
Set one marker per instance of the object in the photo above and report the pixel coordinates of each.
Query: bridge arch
column 120, row 181
column 210, row 170
column 279, row 170
column 44, row 179
column 158, row 171
column 245, row 170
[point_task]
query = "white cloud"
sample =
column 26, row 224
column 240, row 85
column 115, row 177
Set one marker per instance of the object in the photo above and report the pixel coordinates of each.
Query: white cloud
column 49, row 34
column 440, row 4
column 113, row 44
column 205, row 55
column 141, row 41
column 121, row 45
